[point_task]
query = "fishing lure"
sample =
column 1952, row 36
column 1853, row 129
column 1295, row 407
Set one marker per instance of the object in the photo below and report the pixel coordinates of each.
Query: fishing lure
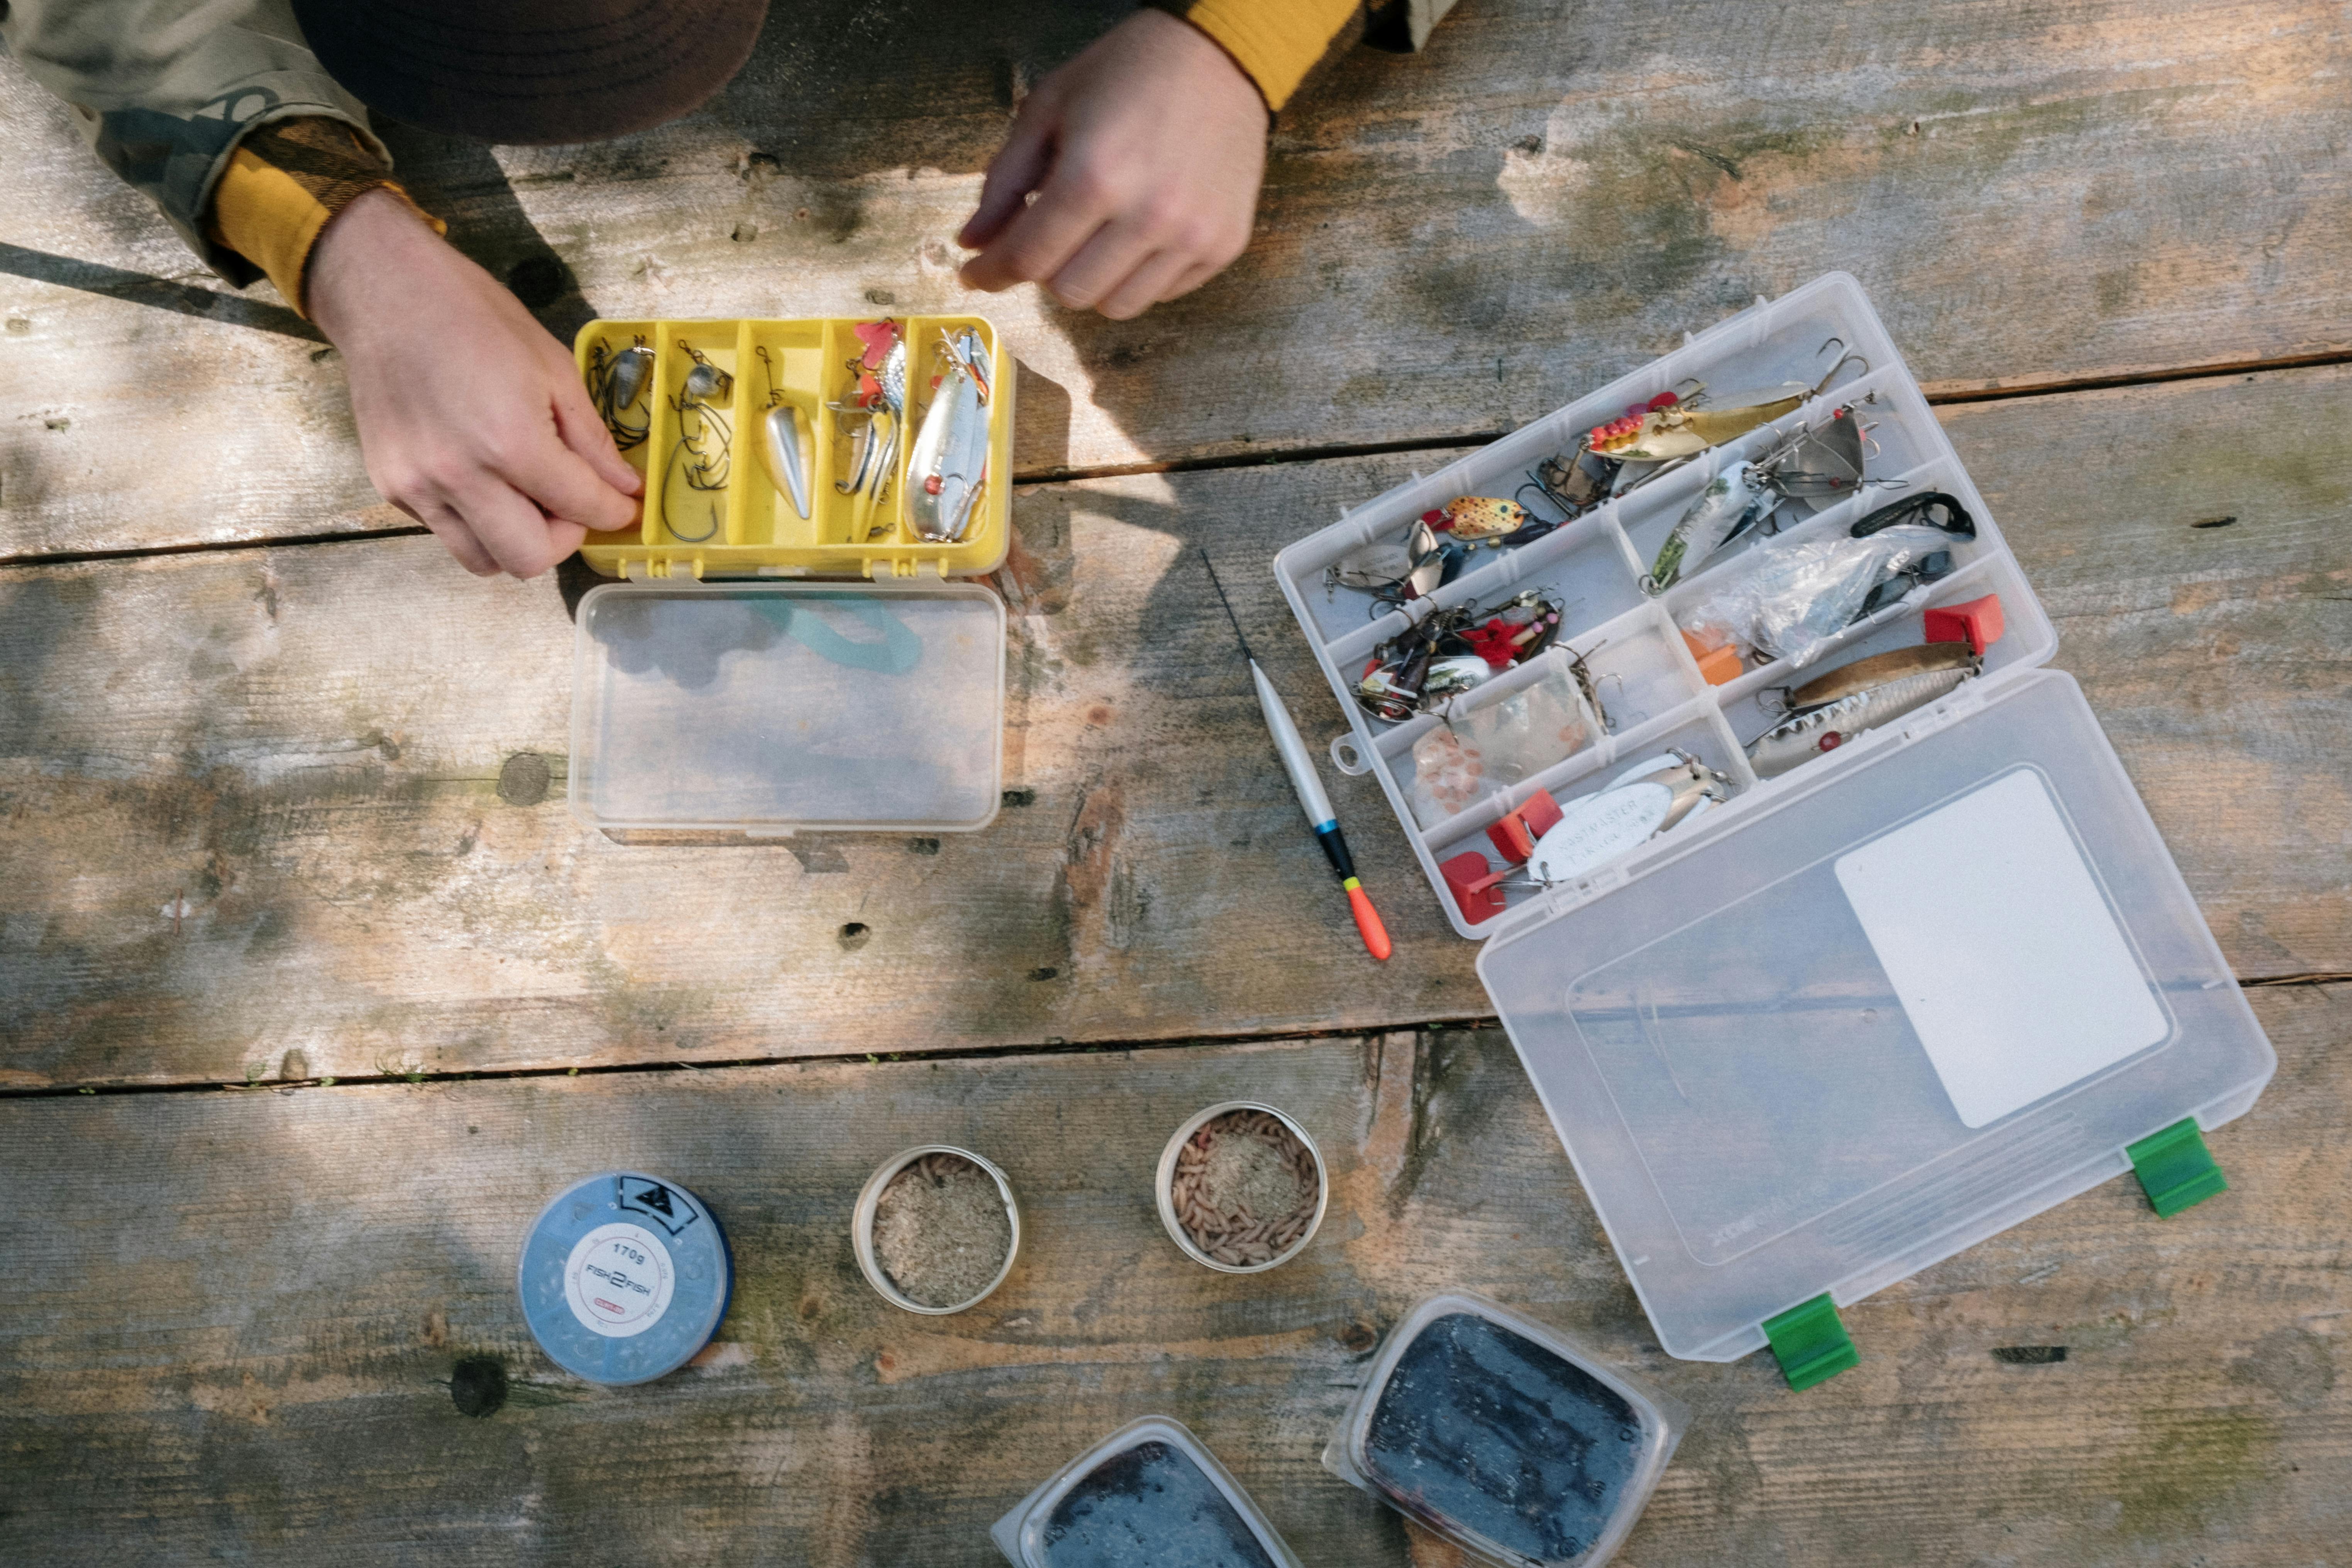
column 784, row 441
column 1574, row 481
column 703, row 454
column 877, row 404
column 1675, row 429
column 1827, row 712
column 706, row 382
column 1557, row 843
column 949, row 463
column 1820, row 461
column 1436, row 548
column 1449, row 651
column 616, row 384
column 1478, row 519
column 1648, row 798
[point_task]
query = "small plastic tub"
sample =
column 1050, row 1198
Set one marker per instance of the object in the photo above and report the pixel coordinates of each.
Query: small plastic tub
column 1150, row 1495
column 623, row 1276
column 1165, row 1181
column 870, row 1199
column 1505, row 1437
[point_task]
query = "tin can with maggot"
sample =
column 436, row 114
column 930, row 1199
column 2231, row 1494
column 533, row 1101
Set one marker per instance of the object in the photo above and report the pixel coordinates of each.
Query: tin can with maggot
column 1236, row 1240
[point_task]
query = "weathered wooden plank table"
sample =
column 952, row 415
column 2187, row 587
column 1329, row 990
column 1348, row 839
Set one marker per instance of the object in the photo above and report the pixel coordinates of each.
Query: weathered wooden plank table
column 281, row 792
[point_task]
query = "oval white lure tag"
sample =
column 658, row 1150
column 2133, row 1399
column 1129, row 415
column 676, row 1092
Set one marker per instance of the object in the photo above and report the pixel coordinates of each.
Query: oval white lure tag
column 619, row 1280
column 1599, row 829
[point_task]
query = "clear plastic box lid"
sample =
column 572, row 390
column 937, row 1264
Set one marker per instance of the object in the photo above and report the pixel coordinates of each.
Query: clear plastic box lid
column 759, row 710
column 1191, row 1511
column 1564, row 1455
column 1891, row 1012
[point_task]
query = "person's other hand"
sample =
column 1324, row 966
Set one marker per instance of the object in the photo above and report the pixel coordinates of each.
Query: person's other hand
column 472, row 419
column 1144, row 154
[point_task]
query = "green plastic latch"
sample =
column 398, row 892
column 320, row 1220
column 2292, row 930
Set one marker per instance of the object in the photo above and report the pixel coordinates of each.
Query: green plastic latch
column 1812, row 1344
column 2175, row 1168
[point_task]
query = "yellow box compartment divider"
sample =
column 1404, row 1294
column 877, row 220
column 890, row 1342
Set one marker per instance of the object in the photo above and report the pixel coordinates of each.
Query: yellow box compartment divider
column 741, row 524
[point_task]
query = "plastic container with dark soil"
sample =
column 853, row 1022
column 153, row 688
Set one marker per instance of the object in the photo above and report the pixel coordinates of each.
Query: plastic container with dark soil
column 1150, row 1495
column 1505, row 1437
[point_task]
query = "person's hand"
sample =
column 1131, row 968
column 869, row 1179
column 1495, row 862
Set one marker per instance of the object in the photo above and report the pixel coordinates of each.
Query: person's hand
column 1144, row 154
column 472, row 419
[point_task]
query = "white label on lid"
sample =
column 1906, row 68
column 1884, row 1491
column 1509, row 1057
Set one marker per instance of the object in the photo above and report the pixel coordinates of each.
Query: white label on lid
column 2008, row 961
column 619, row 1279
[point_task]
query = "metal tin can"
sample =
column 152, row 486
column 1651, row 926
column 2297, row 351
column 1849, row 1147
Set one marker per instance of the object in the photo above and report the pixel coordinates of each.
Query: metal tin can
column 869, row 1199
column 1166, row 1180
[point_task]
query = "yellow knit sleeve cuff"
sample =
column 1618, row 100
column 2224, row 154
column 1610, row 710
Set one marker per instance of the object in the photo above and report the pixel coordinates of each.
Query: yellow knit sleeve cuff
column 1277, row 42
column 272, row 213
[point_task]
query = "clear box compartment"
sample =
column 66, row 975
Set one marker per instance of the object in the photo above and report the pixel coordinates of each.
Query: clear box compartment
column 716, row 711
column 743, row 525
column 1644, row 676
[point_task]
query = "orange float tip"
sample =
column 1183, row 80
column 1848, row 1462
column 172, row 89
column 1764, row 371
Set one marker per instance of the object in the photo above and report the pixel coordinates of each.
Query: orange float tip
column 1368, row 921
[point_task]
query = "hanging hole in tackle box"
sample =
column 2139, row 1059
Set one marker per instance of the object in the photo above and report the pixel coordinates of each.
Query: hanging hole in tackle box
column 1834, row 937
column 787, row 649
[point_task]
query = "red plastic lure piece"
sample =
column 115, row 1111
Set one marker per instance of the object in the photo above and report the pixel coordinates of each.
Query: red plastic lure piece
column 1977, row 623
column 1515, row 836
column 1476, row 887
column 1495, row 642
column 879, row 338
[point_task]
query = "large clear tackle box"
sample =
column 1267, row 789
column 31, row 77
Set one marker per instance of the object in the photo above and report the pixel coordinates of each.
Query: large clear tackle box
column 759, row 672
column 1864, row 1014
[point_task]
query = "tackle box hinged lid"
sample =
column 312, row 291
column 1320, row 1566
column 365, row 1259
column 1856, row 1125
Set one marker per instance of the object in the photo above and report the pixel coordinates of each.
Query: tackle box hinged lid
column 721, row 710
column 1888, row 1013
column 1883, row 1006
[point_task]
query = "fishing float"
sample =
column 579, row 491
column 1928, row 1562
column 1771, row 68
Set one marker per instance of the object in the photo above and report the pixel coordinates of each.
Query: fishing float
column 1308, row 786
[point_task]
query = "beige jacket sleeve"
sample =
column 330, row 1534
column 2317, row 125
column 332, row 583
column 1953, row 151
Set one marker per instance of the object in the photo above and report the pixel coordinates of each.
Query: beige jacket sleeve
column 165, row 91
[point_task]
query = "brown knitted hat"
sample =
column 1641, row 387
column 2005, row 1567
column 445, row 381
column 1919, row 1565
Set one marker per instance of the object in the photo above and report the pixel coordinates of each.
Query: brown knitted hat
column 532, row 71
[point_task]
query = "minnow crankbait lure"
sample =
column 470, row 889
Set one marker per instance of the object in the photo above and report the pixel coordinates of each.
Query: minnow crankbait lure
column 1834, row 708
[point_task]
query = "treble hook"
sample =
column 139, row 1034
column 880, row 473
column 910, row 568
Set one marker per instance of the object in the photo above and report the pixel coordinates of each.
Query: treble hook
column 1843, row 360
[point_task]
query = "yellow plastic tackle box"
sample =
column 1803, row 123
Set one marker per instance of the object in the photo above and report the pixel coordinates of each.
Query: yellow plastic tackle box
column 746, row 528
column 712, row 703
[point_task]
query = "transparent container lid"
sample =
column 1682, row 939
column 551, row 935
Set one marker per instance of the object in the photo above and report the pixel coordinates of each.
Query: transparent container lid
column 759, row 710
column 1504, row 1436
column 1150, row 1495
column 1892, row 1013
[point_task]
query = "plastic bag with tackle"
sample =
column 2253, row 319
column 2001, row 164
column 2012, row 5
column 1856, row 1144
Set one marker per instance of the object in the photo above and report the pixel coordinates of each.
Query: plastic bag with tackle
column 1788, row 600
column 1502, row 742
